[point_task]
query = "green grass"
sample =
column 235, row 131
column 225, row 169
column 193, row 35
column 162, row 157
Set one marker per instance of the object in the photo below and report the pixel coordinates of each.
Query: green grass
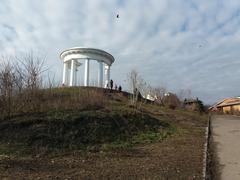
column 117, row 145
column 141, row 138
column 152, row 137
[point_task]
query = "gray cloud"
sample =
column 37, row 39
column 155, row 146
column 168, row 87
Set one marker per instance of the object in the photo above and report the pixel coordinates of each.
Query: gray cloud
column 181, row 44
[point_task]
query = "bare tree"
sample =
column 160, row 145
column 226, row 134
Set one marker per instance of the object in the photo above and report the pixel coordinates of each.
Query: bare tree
column 7, row 87
column 31, row 68
column 147, row 92
column 159, row 94
column 136, row 84
column 184, row 94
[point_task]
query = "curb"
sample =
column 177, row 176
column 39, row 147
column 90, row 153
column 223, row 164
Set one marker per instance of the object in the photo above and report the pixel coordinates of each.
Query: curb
column 206, row 147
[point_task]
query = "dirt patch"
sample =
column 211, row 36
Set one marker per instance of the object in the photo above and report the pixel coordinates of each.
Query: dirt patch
column 179, row 157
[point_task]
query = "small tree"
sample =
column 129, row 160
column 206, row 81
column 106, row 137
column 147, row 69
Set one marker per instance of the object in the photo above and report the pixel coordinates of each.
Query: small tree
column 201, row 107
column 159, row 93
column 183, row 95
column 7, row 79
column 31, row 68
column 136, row 84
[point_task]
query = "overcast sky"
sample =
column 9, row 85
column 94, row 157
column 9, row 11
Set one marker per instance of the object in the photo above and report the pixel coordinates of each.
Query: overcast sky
column 178, row 44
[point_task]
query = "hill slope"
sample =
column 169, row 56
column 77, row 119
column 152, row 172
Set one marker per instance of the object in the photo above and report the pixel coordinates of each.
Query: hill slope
column 79, row 121
column 93, row 133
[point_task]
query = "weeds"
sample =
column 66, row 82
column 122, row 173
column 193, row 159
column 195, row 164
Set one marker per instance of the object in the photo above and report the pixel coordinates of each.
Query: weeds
column 118, row 145
column 152, row 137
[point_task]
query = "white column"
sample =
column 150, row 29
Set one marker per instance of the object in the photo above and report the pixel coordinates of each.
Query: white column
column 100, row 74
column 77, row 64
column 75, row 75
column 72, row 73
column 107, row 75
column 68, row 74
column 64, row 82
column 86, row 75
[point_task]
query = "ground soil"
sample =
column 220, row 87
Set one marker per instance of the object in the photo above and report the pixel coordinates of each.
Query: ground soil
column 177, row 157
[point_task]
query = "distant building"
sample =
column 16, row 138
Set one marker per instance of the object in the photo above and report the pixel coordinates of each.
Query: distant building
column 227, row 106
column 191, row 104
column 150, row 97
column 168, row 99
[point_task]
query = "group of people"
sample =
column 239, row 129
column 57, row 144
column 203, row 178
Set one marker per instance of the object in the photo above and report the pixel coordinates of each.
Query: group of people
column 110, row 85
column 119, row 88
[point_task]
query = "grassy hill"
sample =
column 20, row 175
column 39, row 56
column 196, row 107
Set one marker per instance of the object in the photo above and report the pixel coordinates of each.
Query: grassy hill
column 74, row 127
column 81, row 118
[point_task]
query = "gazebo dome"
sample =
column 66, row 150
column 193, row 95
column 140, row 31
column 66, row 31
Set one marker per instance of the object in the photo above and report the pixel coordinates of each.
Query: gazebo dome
column 71, row 58
column 87, row 53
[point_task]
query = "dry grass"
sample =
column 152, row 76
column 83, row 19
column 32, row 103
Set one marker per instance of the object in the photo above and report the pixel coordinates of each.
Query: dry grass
column 58, row 99
column 178, row 156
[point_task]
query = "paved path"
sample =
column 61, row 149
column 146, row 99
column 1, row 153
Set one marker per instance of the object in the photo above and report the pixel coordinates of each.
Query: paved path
column 226, row 134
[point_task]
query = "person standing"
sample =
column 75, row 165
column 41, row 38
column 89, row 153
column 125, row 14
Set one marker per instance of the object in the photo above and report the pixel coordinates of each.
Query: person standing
column 119, row 88
column 111, row 84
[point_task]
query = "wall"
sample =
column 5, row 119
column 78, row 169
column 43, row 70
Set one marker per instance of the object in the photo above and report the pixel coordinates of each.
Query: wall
column 235, row 109
column 227, row 110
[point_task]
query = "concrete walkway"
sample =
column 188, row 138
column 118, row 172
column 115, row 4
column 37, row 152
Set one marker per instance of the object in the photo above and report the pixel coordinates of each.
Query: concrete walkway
column 226, row 135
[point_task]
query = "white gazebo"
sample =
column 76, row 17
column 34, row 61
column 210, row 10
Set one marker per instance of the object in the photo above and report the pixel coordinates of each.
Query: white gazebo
column 73, row 58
